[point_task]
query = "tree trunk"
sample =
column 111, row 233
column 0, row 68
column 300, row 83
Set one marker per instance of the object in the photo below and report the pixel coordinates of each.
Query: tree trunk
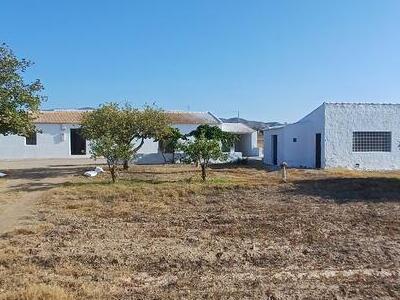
column 112, row 171
column 203, row 172
column 173, row 157
column 126, row 164
column 163, row 155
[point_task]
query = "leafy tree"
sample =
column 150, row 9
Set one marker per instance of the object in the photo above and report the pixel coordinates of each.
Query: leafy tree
column 19, row 101
column 114, row 152
column 201, row 150
column 126, row 125
column 169, row 142
column 226, row 139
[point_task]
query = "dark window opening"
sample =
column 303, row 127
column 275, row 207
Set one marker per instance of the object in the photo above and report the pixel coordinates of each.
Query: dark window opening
column 294, row 140
column 372, row 141
column 31, row 139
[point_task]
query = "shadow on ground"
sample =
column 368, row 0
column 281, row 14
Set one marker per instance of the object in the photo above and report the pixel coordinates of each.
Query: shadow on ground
column 40, row 179
column 343, row 190
column 245, row 164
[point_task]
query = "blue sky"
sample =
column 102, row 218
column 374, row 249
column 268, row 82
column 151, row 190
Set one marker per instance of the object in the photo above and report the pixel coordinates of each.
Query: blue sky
column 271, row 60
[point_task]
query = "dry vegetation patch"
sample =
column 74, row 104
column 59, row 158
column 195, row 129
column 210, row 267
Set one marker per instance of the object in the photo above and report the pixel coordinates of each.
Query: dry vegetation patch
column 162, row 233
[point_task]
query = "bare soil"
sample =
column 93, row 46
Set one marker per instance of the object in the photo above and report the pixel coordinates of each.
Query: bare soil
column 161, row 233
column 26, row 182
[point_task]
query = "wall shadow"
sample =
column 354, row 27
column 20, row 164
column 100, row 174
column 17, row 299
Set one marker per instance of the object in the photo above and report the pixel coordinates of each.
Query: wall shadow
column 344, row 190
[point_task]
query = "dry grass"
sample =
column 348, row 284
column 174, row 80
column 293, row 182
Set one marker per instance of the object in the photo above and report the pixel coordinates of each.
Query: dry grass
column 162, row 233
column 37, row 292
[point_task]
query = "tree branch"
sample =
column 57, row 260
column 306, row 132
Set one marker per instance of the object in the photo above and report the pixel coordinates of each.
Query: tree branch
column 139, row 146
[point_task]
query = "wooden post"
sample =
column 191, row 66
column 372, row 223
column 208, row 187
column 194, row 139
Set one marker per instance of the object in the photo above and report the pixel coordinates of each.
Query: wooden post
column 284, row 171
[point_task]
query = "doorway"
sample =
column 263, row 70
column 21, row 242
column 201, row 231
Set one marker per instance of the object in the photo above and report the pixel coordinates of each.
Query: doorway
column 318, row 151
column 274, row 149
column 78, row 143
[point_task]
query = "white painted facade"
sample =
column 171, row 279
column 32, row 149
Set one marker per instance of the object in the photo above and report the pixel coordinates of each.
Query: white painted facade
column 336, row 123
column 54, row 142
column 247, row 143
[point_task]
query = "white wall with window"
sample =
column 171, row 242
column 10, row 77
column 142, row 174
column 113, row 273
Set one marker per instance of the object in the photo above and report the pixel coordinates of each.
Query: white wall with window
column 52, row 141
column 362, row 136
column 352, row 135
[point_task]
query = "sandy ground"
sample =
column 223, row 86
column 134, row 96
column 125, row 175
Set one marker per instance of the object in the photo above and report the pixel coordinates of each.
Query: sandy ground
column 26, row 182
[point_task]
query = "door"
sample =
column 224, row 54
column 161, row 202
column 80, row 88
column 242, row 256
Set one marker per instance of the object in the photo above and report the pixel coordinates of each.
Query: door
column 318, row 151
column 78, row 143
column 274, row 149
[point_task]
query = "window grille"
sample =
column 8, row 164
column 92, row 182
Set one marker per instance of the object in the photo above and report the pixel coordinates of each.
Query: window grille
column 372, row 141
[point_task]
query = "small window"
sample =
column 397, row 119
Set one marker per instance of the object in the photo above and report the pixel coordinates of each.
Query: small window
column 31, row 139
column 372, row 141
column 294, row 140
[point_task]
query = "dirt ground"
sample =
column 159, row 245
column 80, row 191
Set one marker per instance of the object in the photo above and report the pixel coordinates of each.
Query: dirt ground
column 161, row 233
column 27, row 181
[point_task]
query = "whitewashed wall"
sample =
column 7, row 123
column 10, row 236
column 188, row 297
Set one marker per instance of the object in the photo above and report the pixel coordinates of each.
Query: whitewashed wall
column 50, row 144
column 343, row 119
column 54, row 142
column 268, row 159
column 247, row 144
column 302, row 152
column 149, row 153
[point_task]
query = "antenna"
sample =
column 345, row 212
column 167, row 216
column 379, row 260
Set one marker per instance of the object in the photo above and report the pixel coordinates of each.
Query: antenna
column 237, row 120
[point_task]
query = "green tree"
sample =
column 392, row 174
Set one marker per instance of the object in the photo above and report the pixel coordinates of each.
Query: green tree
column 226, row 139
column 114, row 152
column 19, row 101
column 125, row 125
column 169, row 142
column 202, row 150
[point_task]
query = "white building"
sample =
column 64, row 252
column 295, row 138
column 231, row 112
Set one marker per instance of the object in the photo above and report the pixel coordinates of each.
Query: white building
column 336, row 135
column 60, row 137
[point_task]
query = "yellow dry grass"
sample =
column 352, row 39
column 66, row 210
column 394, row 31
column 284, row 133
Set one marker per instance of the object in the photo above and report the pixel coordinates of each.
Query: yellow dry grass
column 160, row 232
column 37, row 292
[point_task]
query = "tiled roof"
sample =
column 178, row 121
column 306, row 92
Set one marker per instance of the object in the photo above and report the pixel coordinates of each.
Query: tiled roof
column 60, row 117
column 192, row 118
column 75, row 117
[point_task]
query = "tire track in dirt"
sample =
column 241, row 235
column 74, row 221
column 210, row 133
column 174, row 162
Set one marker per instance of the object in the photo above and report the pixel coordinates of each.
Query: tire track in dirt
column 16, row 212
column 23, row 189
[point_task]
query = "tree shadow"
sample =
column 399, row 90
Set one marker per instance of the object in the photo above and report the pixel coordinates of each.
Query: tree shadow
column 41, row 179
column 34, row 186
column 345, row 190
